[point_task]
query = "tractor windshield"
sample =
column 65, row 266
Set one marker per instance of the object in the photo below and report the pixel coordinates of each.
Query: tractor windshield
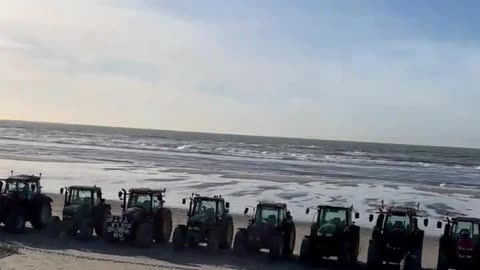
column 463, row 227
column 79, row 196
column 397, row 221
column 16, row 186
column 267, row 215
column 205, row 205
column 140, row 200
column 332, row 216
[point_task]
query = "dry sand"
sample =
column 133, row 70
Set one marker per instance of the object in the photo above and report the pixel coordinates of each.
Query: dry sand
column 37, row 251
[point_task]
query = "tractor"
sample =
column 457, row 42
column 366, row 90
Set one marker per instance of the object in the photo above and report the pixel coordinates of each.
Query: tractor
column 459, row 244
column 396, row 238
column 144, row 218
column 270, row 227
column 84, row 212
column 208, row 222
column 22, row 200
column 332, row 234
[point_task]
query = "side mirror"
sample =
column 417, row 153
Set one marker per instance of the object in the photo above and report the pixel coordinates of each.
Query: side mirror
column 289, row 216
column 357, row 215
column 370, row 218
column 102, row 200
column 425, row 222
column 184, row 201
column 120, row 194
column 245, row 211
column 227, row 205
column 226, row 210
column 307, row 211
column 439, row 225
column 61, row 190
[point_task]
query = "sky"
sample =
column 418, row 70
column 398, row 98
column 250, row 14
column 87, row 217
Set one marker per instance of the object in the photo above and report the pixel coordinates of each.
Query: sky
column 381, row 71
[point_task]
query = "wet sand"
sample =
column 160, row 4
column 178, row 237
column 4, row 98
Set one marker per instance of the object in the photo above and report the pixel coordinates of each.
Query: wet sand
column 37, row 251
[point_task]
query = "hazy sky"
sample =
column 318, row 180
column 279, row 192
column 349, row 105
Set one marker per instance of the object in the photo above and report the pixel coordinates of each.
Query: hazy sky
column 394, row 71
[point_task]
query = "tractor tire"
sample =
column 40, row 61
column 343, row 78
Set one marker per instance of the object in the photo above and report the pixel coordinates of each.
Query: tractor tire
column 373, row 258
column 144, row 235
column 213, row 240
column 42, row 216
column 100, row 225
column 411, row 261
column 165, row 226
column 85, row 230
column 240, row 245
column 345, row 257
column 290, row 241
column 15, row 221
column 54, row 227
column 227, row 236
column 442, row 263
column 179, row 238
column 277, row 245
column 305, row 252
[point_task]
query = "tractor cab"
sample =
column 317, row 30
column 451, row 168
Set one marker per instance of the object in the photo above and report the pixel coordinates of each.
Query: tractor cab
column 330, row 220
column 23, row 186
column 207, row 206
column 273, row 214
column 398, row 219
column 149, row 200
column 82, row 195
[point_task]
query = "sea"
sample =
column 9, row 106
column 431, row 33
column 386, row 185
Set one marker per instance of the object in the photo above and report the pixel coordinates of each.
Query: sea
column 440, row 181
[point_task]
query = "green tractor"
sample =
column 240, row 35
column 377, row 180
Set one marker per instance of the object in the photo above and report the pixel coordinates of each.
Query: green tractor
column 208, row 222
column 333, row 234
column 271, row 227
column 143, row 220
column 396, row 238
column 22, row 200
column 84, row 212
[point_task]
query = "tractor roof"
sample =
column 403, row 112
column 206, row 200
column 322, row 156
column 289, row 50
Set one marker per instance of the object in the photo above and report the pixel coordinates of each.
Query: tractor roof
column 146, row 191
column 23, row 178
column 467, row 219
column 214, row 198
column 272, row 204
column 93, row 188
column 402, row 210
column 339, row 207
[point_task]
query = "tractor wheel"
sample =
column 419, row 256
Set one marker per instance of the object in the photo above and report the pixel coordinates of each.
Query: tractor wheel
column 227, row 236
column 179, row 238
column 240, row 244
column 305, row 255
column 15, row 221
column 54, row 227
column 277, row 244
column 85, row 230
column 373, row 257
column 213, row 240
column 411, row 262
column 42, row 216
column 290, row 241
column 345, row 257
column 144, row 235
column 442, row 263
column 165, row 226
column 100, row 225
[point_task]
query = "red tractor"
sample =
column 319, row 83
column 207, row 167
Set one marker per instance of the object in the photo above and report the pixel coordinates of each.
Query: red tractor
column 459, row 244
column 144, row 218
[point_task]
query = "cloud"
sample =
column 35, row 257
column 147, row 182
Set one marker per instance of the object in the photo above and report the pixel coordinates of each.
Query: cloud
column 318, row 71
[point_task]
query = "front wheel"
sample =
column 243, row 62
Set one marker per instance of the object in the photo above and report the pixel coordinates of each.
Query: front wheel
column 305, row 251
column 85, row 230
column 15, row 221
column 277, row 246
column 42, row 216
column 179, row 238
column 54, row 227
column 442, row 263
column 213, row 240
column 373, row 257
column 240, row 243
column 144, row 235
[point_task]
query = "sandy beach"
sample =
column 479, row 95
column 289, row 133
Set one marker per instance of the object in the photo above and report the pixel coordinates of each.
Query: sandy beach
column 37, row 251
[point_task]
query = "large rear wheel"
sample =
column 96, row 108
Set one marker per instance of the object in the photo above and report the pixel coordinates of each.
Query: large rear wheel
column 164, row 230
column 42, row 216
column 305, row 256
column 373, row 258
column 442, row 263
column 227, row 236
column 54, row 227
column 290, row 241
